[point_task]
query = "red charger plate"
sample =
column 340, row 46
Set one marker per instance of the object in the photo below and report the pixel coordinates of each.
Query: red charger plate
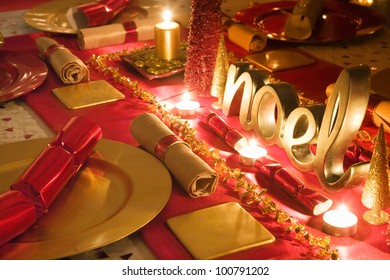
column 339, row 21
column 20, row 73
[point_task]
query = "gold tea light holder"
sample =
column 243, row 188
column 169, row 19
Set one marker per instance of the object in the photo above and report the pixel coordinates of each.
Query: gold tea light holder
column 187, row 106
column 340, row 222
column 249, row 154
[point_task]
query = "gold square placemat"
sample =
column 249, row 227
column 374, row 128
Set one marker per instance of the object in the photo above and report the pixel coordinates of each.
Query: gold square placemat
column 219, row 230
column 87, row 94
column 281, row 59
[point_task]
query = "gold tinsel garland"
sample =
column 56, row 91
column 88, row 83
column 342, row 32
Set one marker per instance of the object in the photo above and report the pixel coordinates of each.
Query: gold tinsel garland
column 250, row 193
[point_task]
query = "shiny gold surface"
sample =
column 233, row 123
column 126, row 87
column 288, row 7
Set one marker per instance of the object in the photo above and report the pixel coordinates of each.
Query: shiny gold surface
column 112, row 196
column 51, row 16
column 278, row 60
column 87, row 94
column 167, row 39
column 220, row 230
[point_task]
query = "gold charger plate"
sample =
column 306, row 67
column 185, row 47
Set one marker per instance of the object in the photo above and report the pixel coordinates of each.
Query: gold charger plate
column 51, row 16
column 112, row 196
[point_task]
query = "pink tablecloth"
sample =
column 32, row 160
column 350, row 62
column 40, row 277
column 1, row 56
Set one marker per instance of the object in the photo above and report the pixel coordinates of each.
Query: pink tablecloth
column 115, row 118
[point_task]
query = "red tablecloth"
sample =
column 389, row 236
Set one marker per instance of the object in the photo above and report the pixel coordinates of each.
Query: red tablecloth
column 115, row 118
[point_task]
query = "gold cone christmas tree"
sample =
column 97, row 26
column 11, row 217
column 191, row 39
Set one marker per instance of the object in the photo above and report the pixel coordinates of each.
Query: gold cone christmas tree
column 220, row 74
column 376, row 189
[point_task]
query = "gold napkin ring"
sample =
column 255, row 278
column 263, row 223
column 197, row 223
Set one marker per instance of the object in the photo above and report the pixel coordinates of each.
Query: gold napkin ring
column 165, row 143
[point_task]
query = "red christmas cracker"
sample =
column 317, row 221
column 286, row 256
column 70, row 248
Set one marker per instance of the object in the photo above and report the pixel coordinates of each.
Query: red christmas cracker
column 35, row 190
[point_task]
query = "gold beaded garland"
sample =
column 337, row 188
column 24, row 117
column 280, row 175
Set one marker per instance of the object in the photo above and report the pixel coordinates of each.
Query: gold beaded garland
column 250, row 193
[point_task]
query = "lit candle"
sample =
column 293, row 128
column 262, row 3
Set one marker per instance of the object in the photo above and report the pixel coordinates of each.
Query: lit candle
column 363, row 2
column 340, row 222
column 167, row 38
column 187, row 106
column 250, row 153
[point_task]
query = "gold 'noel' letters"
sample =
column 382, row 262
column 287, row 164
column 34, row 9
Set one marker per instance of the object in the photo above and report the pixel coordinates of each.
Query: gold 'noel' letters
column 272, row 110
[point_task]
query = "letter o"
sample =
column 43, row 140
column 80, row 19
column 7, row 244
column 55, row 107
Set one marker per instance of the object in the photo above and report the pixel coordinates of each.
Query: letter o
column 271, row 106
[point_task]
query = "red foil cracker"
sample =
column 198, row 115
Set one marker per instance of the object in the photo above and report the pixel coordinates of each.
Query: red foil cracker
column 33, row 192
column 17, row 213
column 78, row 137
column 231, row 136
column 310, row 199
column 45, row 177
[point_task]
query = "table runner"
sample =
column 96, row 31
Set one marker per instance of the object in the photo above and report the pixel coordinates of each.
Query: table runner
column 115, row 118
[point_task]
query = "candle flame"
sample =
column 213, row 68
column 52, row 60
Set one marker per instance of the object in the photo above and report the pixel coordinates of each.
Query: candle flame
column 167, row 16
column 252, row 143
column 342, row 207
column 186, row 96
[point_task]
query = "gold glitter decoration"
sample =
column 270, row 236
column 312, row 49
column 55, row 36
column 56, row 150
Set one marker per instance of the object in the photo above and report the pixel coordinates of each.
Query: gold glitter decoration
column 376, row 194
column 249, row 193
column 220, row 74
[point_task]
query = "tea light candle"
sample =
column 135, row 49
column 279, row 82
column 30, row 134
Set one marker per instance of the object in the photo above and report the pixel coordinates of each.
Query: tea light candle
column 187, row 107
column 167, row 38
column 340, row 222
column 250, row 153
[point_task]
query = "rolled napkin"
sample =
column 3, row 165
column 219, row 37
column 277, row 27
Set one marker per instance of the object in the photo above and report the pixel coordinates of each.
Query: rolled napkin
column 106, row 35
column 68, row 67
column 194, row 175
column 246, row 37
column 380, row 114
column 380, row 82
column 94, row 14
column 300, row 23
column 34, row 191
column 117, row 33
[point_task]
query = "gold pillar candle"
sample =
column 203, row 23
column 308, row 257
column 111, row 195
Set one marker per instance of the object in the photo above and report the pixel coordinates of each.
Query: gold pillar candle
column 167, row 38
